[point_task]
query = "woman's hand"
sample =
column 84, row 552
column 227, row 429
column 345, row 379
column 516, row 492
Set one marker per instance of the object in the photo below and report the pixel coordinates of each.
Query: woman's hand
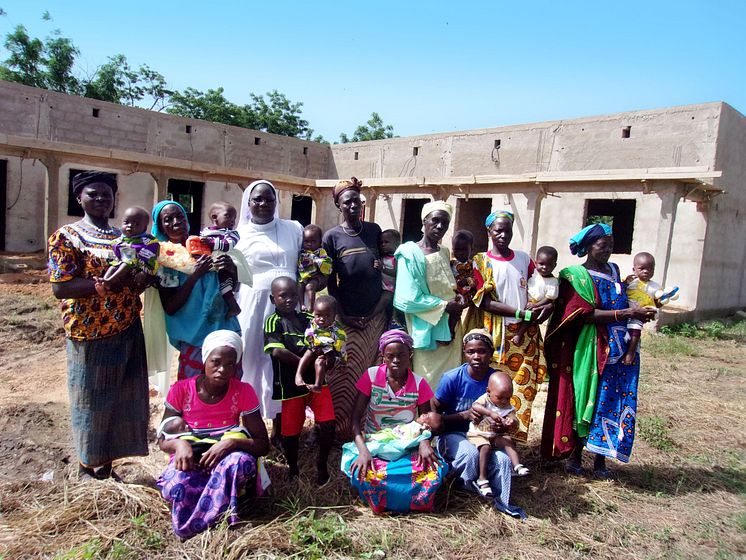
column 362, row 464
column 643, row 314
column 217, row 453
column 202, row 266
column 224, row 262
column 183, row 456
column 455, row 306
column 428, row 457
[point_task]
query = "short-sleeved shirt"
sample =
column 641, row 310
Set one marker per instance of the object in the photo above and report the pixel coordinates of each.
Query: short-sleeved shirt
column 282, row 332
column 540, row 288
column 239, row 399
column 80, row 251
column 387, row 408
column 359, row 284
column 457, row 391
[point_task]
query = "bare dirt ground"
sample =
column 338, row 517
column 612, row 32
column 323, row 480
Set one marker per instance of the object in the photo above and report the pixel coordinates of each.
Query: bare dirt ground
column 682, row 495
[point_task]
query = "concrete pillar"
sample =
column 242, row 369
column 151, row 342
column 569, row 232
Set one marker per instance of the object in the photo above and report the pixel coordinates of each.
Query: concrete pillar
column 669, row 204
column 51, row 194
column 160, row 189
column 533, row 211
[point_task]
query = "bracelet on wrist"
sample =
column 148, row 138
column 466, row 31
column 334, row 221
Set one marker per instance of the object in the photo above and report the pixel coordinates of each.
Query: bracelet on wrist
column 518, row 314
column 527, row 315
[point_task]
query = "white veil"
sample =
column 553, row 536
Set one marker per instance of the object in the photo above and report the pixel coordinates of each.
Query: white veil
column 244, row 215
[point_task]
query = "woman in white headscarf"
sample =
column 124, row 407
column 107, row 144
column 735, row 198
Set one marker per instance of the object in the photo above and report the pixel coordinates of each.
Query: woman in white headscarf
column 425, row 292
column 271, row 247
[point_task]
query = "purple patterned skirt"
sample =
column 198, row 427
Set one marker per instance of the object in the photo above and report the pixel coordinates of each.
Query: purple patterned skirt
column 201, row 498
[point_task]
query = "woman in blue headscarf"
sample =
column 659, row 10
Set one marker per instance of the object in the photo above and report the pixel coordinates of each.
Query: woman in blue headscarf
column 502, row 277
column 592, row 397
column 189, row 288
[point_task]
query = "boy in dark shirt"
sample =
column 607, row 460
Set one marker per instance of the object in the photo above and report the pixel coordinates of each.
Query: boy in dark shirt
column 284, row 341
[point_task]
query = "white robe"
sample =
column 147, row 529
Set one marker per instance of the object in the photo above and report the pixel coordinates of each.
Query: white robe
column 271, row 251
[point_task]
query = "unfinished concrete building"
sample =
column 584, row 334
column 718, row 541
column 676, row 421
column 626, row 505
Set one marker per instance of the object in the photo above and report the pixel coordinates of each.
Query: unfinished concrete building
column 673, row 180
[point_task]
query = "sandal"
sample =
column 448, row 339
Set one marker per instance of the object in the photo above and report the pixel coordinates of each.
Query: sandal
column 521, row 470
column 483, row 488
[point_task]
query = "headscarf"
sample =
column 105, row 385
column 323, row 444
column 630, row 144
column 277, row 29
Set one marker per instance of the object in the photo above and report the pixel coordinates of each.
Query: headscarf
column 586, row 237
column 434, row 206
column 498, row 214
column 217, row 339
column 87, row 178
column 479, row 334
column 353, row 183
column 395, row 335
column 244, row 214
column 155, row 229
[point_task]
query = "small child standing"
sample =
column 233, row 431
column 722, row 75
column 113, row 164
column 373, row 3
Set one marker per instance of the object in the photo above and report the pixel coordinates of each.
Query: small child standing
column 543, row 287
column 326, row 344
column 284, row 341
column 495, row 411
column 314, row 266
column 390, row 241
column 136, row 251
column 219, row 236
column 462, row 252
column 646, row 293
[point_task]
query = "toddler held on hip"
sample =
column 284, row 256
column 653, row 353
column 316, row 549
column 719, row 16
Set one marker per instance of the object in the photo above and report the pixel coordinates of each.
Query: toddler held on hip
column 643, row 291
column 314, row 266
column 136, row 251
column 220, row 236
column 326, row 343
column 542, row 287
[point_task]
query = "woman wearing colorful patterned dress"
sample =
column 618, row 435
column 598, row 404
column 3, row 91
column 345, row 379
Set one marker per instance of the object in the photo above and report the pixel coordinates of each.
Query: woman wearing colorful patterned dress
column 592, row 398
column 390, row 396
column 107, row 374
column 203, row 488
column 502, row 276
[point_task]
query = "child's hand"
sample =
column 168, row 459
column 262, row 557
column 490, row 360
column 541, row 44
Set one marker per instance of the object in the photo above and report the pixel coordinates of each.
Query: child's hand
column 377, row 264
column 629, row 278
column 313, row 387
column 299, row 380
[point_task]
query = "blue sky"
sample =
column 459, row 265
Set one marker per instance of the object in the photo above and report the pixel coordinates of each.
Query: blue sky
column 424, row 66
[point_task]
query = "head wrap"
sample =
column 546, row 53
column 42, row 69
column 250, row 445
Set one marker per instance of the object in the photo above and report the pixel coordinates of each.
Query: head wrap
column 244, row 213
column 155, row 229
column 481, row 335
column 586, row 237
column 87, row 178
column 344, row 185
column 434, row 206
column 498, row 214
column 217, row 339
column 395, row 335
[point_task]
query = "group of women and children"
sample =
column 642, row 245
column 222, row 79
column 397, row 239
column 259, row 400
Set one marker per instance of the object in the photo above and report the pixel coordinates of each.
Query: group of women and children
column 424, row 361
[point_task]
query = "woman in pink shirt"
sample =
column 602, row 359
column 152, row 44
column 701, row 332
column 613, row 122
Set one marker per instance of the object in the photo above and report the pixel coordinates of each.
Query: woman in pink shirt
column 211, row 407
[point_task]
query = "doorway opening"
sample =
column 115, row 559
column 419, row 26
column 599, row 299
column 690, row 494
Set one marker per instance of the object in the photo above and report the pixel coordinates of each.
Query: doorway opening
column 411, row 219
column 189, row 195
column 470, row 215
column 301, row 208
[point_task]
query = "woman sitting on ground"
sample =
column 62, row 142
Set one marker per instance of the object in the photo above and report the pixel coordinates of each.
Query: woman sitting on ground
column 390, row 397
column 215, row 406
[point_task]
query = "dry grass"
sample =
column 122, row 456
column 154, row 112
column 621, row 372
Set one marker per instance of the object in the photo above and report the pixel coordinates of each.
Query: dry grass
column 682, row 496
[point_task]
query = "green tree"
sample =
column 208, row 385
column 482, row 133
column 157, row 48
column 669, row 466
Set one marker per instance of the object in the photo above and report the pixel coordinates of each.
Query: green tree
column 117, row 82
column 374, row 129
column 25, row 63
column 211, row 106
column 278, row 115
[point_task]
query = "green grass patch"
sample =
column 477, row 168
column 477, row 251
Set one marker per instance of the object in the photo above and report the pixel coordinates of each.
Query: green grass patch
column 655, row 431
column 321, row 536
column 666, row 346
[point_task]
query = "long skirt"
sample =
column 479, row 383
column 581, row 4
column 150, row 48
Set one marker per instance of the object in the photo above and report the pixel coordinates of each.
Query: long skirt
column 525, row 364
column 362, row 353
column 107, row 380
column 201, row 498
column 612, row 432
column 400, row 485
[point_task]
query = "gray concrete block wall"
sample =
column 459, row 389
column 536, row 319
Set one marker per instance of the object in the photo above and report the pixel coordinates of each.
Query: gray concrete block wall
column 679, row 136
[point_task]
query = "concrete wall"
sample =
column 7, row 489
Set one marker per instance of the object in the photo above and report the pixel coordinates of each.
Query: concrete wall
column 24, row 212
column 679, row 136
column 724, row 260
